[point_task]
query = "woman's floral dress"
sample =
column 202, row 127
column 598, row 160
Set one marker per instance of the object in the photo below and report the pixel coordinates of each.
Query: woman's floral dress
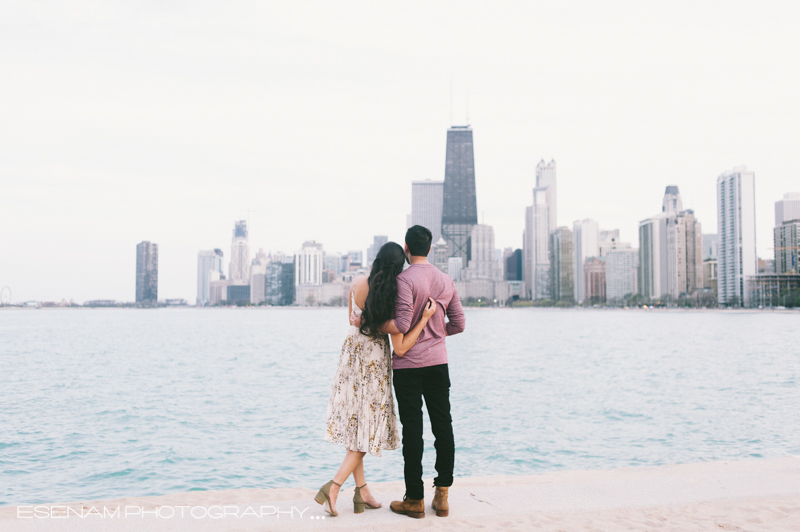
column 361, row 412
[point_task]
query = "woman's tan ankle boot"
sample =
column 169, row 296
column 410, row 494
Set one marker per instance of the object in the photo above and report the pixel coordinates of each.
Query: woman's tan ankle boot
column 440, row 503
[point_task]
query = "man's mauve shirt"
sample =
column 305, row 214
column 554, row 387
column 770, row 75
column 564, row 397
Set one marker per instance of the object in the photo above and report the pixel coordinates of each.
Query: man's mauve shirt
column 414, row 287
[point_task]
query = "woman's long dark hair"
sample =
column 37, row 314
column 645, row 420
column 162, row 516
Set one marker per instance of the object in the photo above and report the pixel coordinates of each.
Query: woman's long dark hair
column 379, row 306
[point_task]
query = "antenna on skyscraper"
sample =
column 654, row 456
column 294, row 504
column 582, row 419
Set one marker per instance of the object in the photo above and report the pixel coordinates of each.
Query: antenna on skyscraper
column 451, row 102
column 467, row 106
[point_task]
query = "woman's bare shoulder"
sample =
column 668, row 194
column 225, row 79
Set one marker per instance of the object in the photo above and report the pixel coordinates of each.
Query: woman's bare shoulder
column 360, row 283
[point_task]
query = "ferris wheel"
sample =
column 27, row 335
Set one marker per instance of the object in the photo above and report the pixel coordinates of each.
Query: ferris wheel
column 5, row 296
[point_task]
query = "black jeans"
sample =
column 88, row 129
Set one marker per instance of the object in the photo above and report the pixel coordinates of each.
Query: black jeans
column 410, row 386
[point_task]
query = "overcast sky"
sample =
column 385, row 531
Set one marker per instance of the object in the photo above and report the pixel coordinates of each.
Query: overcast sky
column 168, row 121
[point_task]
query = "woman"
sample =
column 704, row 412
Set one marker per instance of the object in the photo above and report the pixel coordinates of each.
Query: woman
column 361, row 407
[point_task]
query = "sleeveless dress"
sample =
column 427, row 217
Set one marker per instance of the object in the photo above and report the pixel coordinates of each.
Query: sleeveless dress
column 361, row 412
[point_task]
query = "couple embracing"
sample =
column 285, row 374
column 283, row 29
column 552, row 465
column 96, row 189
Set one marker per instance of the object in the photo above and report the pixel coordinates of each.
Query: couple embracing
column 410, row 308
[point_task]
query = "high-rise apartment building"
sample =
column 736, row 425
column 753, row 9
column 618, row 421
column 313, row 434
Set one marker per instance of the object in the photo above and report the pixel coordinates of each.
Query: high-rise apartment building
column 622, row 267
column 218, row 290
column 355, row 260
column 239, row 271
column 652, row 247
column 585, row 245
column 333, row 262
column 372, row 251
column 684, row 254
column 147, row 273
column 670, row 250
column 459, row 202
column 258, row 278
column 426, row 208
column 208, row 263
column 308, row 264
column 785, row 234
column 736, row 227
column 710, row 241
column 455, row 265
column 608, row 241
column 787, row 209
column 562, row 285
column 595, row 282
column 787, row 247
column 482, row 265
column 710, row 274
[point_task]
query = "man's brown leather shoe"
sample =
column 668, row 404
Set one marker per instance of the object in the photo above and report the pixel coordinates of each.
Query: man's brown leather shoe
column 440, row 503
column 410, row 507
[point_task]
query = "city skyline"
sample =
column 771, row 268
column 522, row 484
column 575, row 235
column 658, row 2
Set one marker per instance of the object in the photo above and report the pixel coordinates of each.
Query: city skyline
column 150, row 125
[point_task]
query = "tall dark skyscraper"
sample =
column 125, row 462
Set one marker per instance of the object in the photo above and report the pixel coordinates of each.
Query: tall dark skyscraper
column 459, row 205
column 147, row 273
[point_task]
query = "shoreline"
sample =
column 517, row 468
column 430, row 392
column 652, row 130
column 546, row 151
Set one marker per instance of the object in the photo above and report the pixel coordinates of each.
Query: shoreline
column 732, row 495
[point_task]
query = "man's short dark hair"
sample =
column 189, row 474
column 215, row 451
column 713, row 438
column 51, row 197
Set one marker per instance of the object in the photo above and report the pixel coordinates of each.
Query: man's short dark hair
column 418, row 240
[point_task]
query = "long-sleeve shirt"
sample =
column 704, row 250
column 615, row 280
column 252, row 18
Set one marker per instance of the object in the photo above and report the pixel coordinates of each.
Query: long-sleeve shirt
column 414, row 287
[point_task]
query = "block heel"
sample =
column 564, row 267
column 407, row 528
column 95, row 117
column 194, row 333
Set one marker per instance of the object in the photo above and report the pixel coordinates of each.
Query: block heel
column 324, row 496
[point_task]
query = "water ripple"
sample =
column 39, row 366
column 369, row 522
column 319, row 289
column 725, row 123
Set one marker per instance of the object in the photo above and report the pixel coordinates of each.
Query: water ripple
column 124, row 402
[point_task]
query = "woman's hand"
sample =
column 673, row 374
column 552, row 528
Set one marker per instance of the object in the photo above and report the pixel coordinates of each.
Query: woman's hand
column 403, row 342
column 430, row 309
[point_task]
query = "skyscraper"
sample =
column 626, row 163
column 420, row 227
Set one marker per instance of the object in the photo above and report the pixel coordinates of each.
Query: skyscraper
column 546, row 178
column 787, row 247
column 608, row 241
column 426, row 207
column 377, row 244
column 786, row 234
column 536, row 245
column 672, row 202
column 540, row 220
column 439, row 250
column 355, row 259
column 483, row 265
column 670, row 250
column 258, row 277
column 459, row 203
column 595, row 282
column 710, row 242
column 208, row 262
column 455, row 265
column 333, row 262
column 584, row 246
column 736, row 227
column 787, row 209
column 652, row 246
column 239, row 271
column 279, row 281
column 622, row 267
column 514, row 265
column 308, row 264
column 147, row 273
column 562, row 285
column 684, row 254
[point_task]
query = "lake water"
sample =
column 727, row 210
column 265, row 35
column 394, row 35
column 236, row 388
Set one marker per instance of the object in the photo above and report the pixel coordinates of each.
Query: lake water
column 123, row 402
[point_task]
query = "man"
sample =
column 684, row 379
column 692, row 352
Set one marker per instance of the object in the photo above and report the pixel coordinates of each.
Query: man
column 423, row 372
